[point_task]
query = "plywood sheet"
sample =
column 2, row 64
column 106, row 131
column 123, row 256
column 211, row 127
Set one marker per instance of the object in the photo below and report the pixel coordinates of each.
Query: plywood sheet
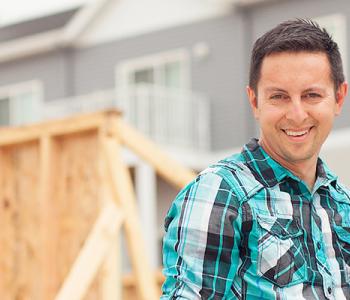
column 76, row 197
column 20, row 241
column 41, row 237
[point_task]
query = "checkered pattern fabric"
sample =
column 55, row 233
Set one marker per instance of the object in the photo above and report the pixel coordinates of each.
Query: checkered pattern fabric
column 247, row 228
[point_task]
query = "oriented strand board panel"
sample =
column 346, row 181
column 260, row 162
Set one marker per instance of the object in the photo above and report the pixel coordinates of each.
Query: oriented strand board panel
column 41, row 237
column 77, row 205
column 20, row 235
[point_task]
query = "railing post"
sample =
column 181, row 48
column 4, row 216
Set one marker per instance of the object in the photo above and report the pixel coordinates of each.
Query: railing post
column 146, row 182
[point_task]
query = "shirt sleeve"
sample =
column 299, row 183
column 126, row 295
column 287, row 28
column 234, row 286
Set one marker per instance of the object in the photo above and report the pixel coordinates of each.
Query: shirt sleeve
column 201, row 244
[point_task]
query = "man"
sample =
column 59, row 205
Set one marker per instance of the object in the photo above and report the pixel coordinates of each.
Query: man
column 272, row 222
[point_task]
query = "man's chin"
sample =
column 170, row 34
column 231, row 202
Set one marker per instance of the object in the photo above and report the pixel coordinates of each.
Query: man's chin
column 298, row 156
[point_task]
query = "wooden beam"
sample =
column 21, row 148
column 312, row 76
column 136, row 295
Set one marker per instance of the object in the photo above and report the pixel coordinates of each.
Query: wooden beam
column 49, row 234
column 112, row 272
column 92, row 254
column 166, row 167
column 122, row 186
column 66, row 126
column 8, row 226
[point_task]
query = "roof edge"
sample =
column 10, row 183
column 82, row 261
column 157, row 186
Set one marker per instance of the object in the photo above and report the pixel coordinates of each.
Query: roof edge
column 53, row 39
column 78, row 24
column 31, row 45
column 250, row 3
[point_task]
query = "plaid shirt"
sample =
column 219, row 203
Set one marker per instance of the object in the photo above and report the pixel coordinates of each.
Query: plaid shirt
column 247, row 228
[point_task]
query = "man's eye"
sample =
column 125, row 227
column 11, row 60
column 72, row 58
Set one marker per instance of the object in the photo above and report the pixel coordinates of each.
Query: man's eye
column 312, row 95
column 278, row 97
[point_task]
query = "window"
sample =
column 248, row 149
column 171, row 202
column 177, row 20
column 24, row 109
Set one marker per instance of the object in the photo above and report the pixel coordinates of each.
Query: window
column 168, row 69
column 335, row 24
column 20, row 103
column 151, row 90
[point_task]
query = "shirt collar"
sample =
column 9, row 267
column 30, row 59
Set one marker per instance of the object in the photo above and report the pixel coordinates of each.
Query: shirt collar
column 325, row 174
column 269, row 172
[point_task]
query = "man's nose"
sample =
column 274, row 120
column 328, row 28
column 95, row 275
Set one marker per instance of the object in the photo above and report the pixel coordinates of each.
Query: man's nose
column 297, row 111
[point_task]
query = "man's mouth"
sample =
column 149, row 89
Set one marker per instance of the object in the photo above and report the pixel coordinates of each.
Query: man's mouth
column 297, row 132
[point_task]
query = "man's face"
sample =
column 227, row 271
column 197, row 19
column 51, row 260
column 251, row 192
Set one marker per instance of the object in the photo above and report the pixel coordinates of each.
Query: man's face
column 295, row 105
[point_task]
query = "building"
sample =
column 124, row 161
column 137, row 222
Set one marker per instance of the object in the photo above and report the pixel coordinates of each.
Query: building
column 177, row 69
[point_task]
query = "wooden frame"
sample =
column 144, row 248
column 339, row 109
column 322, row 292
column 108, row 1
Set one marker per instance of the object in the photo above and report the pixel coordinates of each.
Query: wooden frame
column 117, row 211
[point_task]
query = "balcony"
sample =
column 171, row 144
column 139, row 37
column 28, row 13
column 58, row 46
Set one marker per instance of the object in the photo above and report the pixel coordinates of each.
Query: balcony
column 169, row 116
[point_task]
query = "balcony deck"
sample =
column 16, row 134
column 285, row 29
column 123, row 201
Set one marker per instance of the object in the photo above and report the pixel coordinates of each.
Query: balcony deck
column 168, row 116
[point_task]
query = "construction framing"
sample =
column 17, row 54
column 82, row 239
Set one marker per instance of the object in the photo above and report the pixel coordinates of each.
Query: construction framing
column 66, row 196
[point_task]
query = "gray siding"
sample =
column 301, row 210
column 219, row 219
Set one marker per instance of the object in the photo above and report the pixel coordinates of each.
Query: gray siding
column 52, row 69
column 220, row 76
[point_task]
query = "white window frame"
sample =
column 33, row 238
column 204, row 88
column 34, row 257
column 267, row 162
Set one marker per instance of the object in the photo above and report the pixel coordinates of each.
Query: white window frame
column 338, row 23
column 125, row 67
column 14, row 90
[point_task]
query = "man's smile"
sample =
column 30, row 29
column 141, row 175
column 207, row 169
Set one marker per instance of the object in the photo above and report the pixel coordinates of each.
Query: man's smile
column 297, row 135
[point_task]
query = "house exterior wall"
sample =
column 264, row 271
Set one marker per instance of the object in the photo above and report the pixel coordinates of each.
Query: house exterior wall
column 52, row 69
column 219, row 76
column 79, row 71
column 127, row 18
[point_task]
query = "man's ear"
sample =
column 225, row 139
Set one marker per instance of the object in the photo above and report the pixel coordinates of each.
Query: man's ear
column 340, row 97
column 253, row 101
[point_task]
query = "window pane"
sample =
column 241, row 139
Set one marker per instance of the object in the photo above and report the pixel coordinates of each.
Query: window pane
column 336, row 25
column 143, row 76
column 172, row 74
column 4, row 111
column 25, row 108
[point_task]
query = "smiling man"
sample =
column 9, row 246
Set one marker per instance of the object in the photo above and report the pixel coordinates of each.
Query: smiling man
column 272, row 222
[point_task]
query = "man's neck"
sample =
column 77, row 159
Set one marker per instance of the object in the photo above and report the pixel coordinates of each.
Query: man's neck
column 303, row 169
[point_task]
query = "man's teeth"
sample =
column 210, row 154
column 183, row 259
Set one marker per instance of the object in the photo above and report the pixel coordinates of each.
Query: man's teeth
column 296, row 133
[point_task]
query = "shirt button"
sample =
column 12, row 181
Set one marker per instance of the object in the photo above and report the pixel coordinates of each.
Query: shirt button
column 319, row 245
column 329, row 290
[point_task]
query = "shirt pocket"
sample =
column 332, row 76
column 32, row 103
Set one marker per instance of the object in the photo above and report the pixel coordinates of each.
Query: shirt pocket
column 280, row 252
column 343, row 242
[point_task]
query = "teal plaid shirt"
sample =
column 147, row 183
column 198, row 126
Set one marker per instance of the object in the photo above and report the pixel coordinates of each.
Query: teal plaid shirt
column 247, row 228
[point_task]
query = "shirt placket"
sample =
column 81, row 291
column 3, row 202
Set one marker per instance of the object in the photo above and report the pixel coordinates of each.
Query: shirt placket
column 320, row 250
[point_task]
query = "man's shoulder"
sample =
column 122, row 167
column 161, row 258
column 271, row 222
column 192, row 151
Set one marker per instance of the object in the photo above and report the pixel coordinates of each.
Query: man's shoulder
column 339, row 187
column 342, row 188
column 235, row 172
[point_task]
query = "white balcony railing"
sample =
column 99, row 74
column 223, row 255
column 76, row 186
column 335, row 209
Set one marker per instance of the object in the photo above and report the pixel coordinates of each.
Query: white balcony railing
column 168, row 116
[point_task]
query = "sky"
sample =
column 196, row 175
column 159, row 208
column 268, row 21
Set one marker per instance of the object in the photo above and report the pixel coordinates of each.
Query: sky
column 13, row 11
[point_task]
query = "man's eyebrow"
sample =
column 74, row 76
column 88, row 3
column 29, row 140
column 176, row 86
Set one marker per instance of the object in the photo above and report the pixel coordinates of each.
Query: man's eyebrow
column 275, row 89
column 313, row 89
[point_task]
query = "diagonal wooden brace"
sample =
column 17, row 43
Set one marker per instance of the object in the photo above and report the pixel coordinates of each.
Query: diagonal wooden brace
column 92, row 254
column 121, row 184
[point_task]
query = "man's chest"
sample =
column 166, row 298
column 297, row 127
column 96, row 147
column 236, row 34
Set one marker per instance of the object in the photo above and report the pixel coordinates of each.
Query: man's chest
column 298, row 239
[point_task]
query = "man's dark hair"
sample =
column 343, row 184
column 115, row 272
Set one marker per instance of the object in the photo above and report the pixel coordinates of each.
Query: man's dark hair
column 296, row 36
